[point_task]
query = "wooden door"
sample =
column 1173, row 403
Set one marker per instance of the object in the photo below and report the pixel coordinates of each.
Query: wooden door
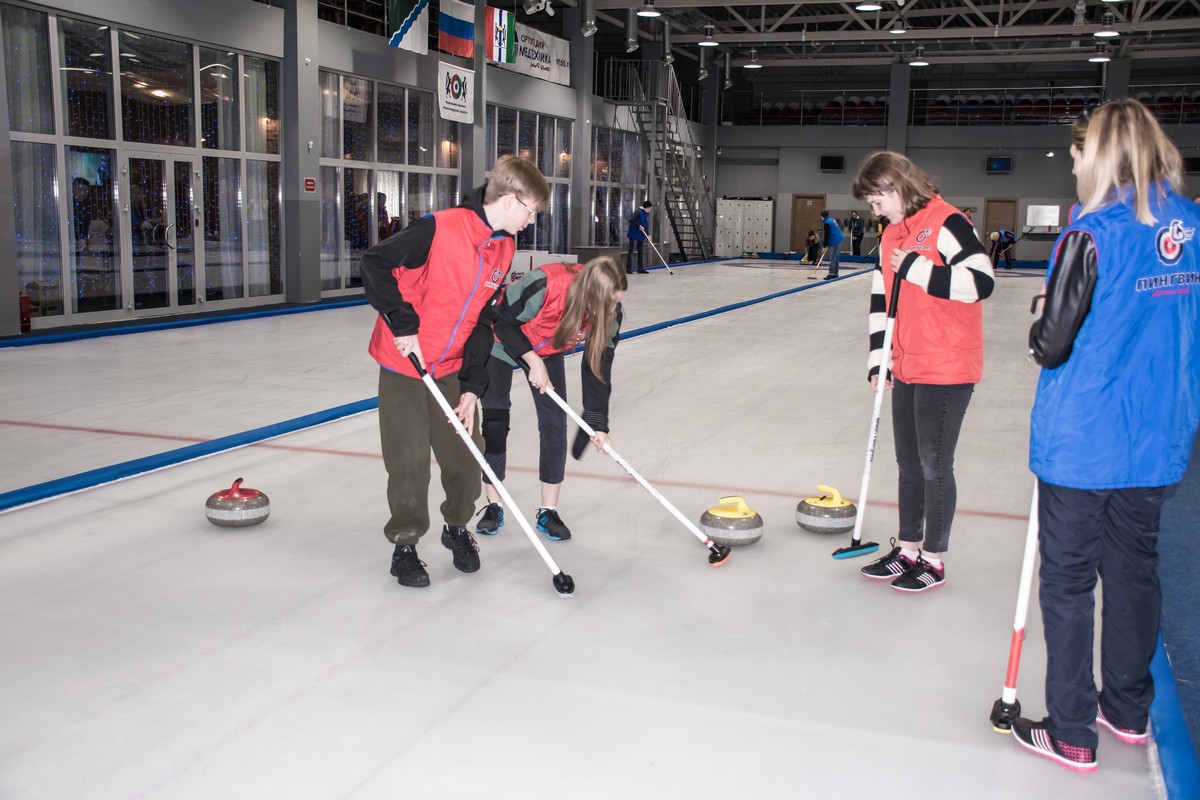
column 999, row 214
column 806, row 216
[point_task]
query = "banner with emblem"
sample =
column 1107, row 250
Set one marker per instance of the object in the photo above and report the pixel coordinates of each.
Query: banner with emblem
column 456, row 92
column 541, row 56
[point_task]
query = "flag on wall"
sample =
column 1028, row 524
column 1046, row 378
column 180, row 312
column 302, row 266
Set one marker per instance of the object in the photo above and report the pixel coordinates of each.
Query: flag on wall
column 409, row 22
column 456, row 28
column 502, row 35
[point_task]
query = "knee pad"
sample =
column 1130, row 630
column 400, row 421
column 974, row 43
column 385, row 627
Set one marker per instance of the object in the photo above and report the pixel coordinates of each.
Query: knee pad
column 495, row 430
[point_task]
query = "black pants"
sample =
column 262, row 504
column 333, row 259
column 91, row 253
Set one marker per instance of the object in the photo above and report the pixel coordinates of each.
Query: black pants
column 927, row 419
column 640, row 246
column 856, row 241
column 552, row 420
column 1112, row 535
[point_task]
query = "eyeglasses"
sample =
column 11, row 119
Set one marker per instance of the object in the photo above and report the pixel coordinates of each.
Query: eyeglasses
column 532, row 214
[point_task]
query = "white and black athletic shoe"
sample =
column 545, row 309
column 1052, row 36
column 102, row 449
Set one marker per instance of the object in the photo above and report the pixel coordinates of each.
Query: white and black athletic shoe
column 1035, row 737
column 890, row 567
column 920, row 576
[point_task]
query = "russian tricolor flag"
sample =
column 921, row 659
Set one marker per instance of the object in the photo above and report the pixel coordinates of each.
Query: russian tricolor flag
column 456, row 28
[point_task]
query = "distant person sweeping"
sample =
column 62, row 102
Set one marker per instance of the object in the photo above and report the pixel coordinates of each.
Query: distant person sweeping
column 638, row 233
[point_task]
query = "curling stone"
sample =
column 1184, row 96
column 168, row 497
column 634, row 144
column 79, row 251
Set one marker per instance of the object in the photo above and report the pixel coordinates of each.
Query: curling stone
column 732, row 522
column 826, row 513
column 237, row 507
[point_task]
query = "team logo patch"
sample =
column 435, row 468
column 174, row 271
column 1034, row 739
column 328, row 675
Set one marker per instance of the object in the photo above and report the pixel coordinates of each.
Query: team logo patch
column 1169, row 242
column 923, row 235
column 498, row 276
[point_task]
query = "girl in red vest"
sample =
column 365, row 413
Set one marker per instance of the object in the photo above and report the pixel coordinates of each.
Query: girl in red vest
column 937, row 353
column 541, row 317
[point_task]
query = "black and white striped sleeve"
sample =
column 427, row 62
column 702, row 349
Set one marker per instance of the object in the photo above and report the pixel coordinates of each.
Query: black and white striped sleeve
column 876, row 322
column 967, row 276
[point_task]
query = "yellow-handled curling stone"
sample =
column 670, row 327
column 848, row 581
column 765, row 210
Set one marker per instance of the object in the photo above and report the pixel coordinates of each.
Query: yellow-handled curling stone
column 732, row 522
column 827, row 512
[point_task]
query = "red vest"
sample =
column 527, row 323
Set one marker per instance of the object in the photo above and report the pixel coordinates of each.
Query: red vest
column 467, row 262
column 540, row 330
column 936, row 341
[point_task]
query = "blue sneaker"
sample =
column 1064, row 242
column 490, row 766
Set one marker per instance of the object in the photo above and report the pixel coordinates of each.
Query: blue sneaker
column 549, row 523
column 491, row 520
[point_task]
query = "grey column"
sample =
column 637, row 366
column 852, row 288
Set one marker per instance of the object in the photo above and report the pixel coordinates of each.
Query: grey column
column 582, row 79
column 10, row 313
column 301, row 151
column 473, row 160
column 898, row 100
column 1115, row 77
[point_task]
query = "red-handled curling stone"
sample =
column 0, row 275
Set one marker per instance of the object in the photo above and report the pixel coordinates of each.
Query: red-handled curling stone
column 237, row 507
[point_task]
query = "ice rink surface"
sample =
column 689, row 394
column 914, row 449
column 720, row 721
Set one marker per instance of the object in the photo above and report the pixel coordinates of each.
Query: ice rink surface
column 145, row 653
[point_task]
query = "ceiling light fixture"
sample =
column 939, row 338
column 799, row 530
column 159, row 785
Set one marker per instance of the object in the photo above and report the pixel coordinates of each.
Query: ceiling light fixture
column 1107, row 31
column 648, row 10
column 918, row 59
column 753, row 63
column 708, row 40
column 631, row 31
column 868, row 6
column 588, row 26
column 898, row 28
column 1100, row 56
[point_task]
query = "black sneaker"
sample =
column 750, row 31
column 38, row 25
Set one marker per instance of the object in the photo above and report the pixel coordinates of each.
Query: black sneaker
column 1126, row 735
column 888, row 568
column 1035, row 737
column 549, row 523
column 491, row 519
column 407, row 568
column 920, row 576
column 643, row 272
column 457, row 540
column 829, row 277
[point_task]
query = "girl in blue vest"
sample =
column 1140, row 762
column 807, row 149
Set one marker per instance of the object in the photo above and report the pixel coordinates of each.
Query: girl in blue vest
column 540, row 318
column 1114, row 418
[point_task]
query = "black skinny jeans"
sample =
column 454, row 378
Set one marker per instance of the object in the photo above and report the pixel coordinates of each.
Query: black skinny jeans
column 552, row 420
column 927, row 419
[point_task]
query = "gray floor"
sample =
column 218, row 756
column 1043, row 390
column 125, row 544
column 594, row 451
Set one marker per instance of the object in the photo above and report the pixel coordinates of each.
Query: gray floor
column 145, row 653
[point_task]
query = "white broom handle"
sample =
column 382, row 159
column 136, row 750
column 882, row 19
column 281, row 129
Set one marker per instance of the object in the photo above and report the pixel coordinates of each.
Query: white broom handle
column 885, row 365
column 873, row 436
column 1019, row 617
column 487, row 470
column 687, row 523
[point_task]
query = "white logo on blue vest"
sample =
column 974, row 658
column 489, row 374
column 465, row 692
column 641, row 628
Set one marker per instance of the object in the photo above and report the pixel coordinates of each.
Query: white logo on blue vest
column 1169, row 242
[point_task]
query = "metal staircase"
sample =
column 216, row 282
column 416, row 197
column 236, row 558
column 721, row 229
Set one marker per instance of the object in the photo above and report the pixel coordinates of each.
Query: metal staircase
column 651, row 91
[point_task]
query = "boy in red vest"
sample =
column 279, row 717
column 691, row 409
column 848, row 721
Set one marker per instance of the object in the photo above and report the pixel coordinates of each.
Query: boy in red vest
column 430, row 283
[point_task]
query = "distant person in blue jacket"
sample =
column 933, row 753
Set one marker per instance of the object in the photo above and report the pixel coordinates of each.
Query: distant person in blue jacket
column 1113, row 423
column 639, row 231
column 1002, row 245
column 832, row 238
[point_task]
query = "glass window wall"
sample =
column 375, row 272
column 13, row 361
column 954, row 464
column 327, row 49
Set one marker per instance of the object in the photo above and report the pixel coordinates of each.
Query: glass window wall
column 85, row 63
column 262, row 105
column 156, row 89
column 35, row 206
column 27, row 68
column 619, row 179
column 218, row 100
